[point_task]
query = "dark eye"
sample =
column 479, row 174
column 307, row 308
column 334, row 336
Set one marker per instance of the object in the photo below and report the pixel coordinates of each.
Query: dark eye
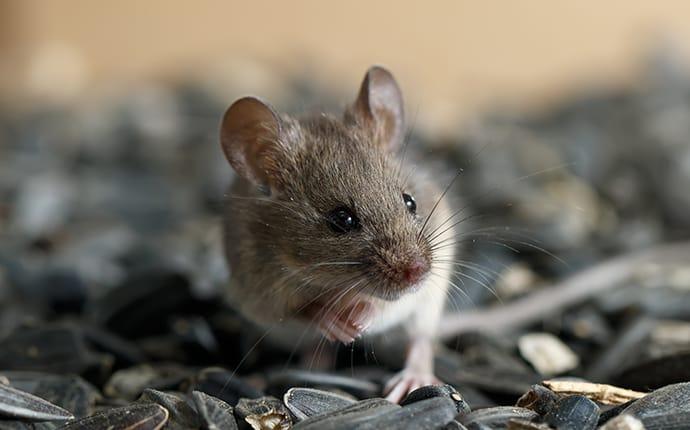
column 342, row 220
column 410, row 203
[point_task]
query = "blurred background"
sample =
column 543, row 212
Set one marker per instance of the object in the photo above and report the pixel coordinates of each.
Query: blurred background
column 571, row 121
column 455, row 59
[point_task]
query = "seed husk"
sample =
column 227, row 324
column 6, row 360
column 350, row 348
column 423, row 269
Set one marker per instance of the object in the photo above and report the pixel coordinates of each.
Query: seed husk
column 602, row 393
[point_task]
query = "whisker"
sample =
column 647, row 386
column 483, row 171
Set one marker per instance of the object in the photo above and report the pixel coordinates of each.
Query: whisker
column 443, row 194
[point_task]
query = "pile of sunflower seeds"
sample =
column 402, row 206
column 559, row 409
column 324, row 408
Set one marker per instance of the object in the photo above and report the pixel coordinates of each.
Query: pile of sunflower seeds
column 333, row 406
column 111, row 273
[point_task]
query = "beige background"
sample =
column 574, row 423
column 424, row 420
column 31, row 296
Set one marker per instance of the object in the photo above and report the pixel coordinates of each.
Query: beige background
column 452, row 57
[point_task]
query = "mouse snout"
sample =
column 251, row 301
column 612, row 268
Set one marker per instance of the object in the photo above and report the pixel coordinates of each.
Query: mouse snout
column 407, row 270
column 414, row 270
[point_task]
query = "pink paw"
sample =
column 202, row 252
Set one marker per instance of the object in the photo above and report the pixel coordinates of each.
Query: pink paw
column 407, row 381
column 348, row 324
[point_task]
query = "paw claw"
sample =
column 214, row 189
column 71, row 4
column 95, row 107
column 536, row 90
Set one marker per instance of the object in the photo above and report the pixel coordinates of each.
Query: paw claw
column 405, row 382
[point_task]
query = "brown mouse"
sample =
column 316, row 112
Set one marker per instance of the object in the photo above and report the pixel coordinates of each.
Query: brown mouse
column 330, row 230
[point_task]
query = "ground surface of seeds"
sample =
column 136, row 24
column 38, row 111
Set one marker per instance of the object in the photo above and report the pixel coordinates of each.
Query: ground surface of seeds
column 112, row 273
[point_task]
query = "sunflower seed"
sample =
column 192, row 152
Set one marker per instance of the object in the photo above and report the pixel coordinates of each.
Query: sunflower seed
column 574, row 413
column 539, row 399
column 214, row 413
column 181, row 416
column 432, row 391
column 307, row 402
column 667, row 400
column 132, row 417
column 424, row 414
column 497, row 417
column 350, row 417
column 18, row 404
column 623, row 422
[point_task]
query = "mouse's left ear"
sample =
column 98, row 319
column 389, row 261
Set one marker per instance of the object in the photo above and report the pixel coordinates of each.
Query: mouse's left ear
column 379, row 106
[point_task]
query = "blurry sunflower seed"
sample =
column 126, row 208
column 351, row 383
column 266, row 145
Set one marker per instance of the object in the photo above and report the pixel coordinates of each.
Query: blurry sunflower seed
column 307, row 402
column 148, row 416
column 282, row 381
column 69, row 392
column 490, row 379
column 50, row 349
column 587, row 324
column 657, row 372
column 143, row 304
column 129, row 383
column 547, row 354
column 224, row 385
column 181, row 416
column 573, row 413
column 214, row 413
column 18, row 404
column 621, row 351
column 124, row 352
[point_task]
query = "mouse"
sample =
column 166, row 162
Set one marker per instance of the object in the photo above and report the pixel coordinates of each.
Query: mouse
column 330, row 232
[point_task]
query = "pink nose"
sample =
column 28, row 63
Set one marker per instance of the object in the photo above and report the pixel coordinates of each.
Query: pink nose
column 415, row 270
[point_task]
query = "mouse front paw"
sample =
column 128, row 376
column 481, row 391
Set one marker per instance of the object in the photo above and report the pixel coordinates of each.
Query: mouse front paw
column 406, row 381
column 348, row 324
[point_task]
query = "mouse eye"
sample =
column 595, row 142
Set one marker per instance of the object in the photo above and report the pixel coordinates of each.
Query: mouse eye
column 342, row 220
column 410, row 203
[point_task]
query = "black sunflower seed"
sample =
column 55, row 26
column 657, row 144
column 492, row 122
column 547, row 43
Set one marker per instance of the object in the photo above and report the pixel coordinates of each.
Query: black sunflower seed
column 574, row 413
column 148, row 416
column 307, row 402
column 18, row 404
column 214, row 413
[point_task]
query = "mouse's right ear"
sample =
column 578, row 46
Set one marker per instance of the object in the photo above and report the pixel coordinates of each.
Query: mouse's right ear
column 379, row 107
column 250, row 129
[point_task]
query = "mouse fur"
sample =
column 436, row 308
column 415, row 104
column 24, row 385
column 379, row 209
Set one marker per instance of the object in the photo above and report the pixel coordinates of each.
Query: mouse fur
column 291, row 265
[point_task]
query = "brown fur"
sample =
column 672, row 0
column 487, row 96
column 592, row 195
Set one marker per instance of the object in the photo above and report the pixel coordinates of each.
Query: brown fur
column 283, row 254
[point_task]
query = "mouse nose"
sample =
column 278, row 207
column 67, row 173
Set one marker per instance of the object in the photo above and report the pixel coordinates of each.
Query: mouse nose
column 415, row 270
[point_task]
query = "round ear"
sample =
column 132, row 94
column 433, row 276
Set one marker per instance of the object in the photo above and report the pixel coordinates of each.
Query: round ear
column 379, row 106
column 249, row 130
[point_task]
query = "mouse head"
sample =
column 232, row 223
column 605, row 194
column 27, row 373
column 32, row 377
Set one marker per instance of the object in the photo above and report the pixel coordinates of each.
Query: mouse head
column 340, row 210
